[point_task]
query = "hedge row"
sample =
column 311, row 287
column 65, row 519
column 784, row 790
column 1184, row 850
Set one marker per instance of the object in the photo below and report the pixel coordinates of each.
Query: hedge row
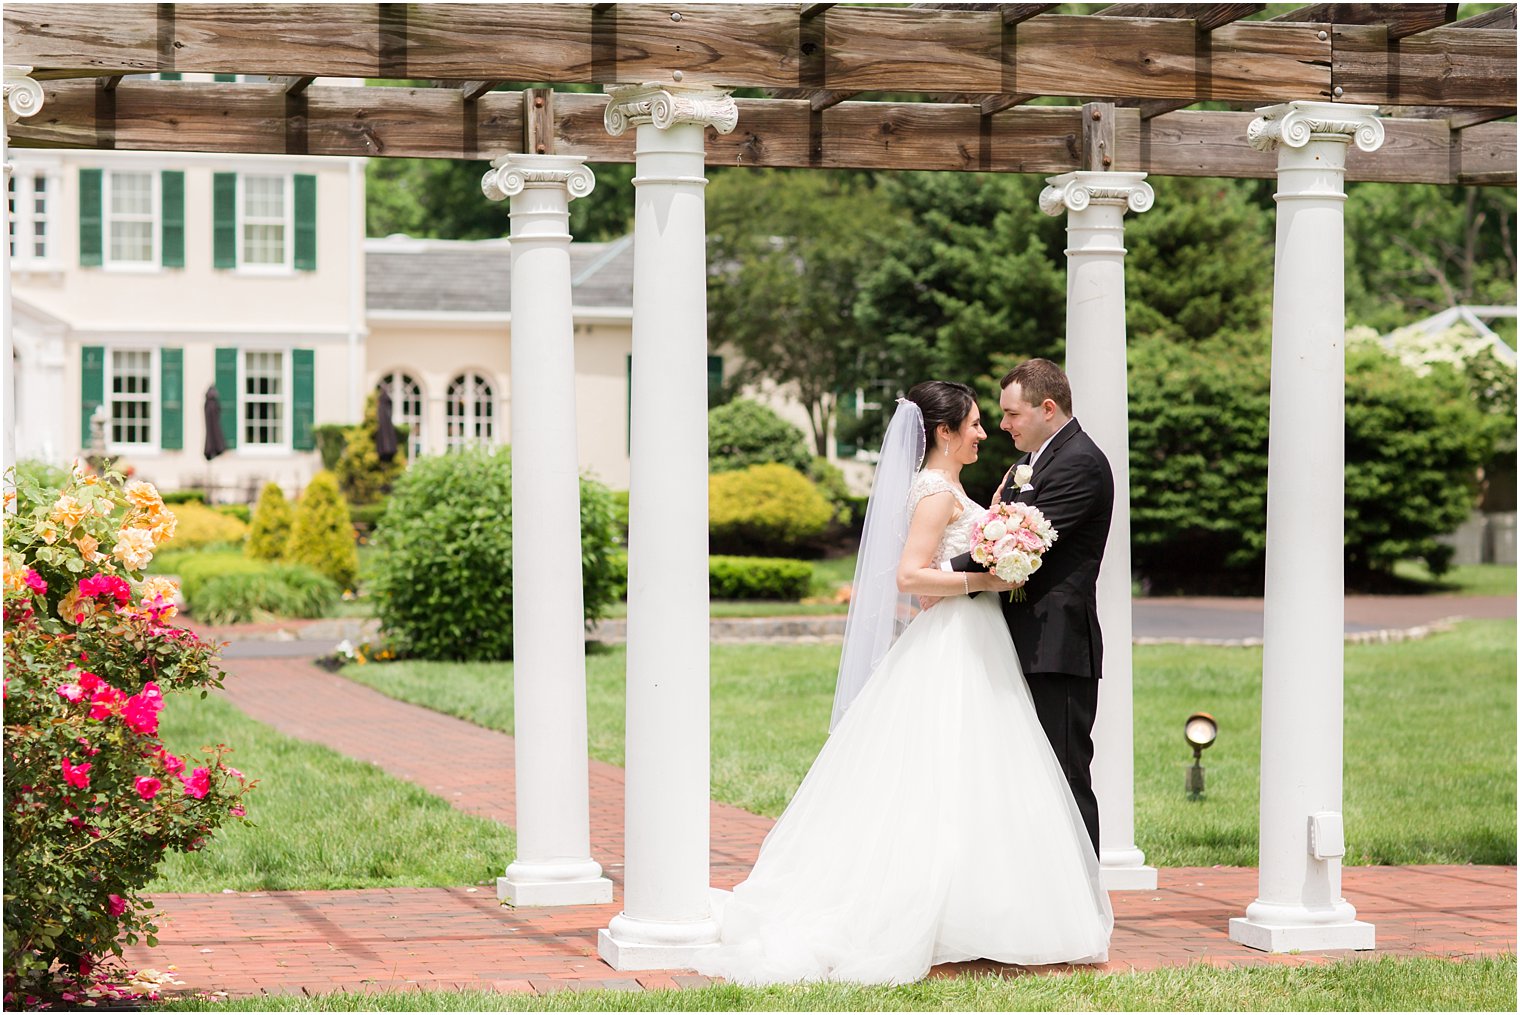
column 737, row 577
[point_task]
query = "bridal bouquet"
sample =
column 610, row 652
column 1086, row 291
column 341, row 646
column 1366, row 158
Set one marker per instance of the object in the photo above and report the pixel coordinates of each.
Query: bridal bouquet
column 1011, row 540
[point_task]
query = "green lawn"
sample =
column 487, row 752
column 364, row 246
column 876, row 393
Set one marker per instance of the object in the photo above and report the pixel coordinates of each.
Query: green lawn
column 1430, row 737
column 1463, row 580
column 323, row 820
column 1380, row 984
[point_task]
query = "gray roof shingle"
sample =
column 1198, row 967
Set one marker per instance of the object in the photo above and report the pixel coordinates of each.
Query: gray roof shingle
column 457, row 276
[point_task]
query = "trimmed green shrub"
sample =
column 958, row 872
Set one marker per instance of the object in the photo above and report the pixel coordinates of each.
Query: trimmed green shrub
column 742, row 433
column 275, row 590
column 271, row 525
column 1198, row 462
column 366, row 516
column 765, row 510
column 322, row 535
column 185, row 497
column 238, row 511
column 617, row 573
column 363, row 477
column 443, row 560
column 330, row 438
column 829, row 478
column 758, row 578
column 620, row 514
column 195, row 569
column 197, row 525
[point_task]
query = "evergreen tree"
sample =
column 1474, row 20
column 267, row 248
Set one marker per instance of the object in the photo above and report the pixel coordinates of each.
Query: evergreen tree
column 322, row 537
column 271, row 525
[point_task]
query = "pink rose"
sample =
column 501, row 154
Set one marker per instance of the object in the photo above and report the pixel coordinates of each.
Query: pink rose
column 107, row 585
column 77, row 776
column 116, row 904
column 238, row 812
column 141, row 711
column 147, row 786
column 1028, row 540
column 105, row 702
column 89, row 681
column 174, row 765
column 198, row 784
column 70, row 692
column 35, row 582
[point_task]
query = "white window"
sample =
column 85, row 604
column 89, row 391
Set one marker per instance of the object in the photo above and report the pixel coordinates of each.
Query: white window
column 265, row 226
column 131, row 398
column 471, row 411
column 265, row 399
column 407, row 407
column 29, row 196
column 131, row 214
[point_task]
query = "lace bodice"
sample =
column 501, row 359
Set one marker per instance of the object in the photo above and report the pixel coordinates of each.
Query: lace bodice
column 957, row 536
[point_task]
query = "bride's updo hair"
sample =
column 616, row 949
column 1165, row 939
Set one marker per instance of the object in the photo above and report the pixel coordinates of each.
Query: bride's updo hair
column 941, row 402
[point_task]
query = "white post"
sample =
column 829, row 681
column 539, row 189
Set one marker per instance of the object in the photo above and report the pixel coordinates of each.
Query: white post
column 666, row 914
column 553, row 865
column 1299, row 906
column 23, row 97
column 1095, row 203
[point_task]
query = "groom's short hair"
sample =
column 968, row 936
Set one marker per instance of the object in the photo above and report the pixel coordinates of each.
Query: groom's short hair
column 1039, row 379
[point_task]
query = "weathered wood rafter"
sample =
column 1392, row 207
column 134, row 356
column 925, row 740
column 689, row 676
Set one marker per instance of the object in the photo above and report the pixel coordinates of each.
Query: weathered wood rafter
column 441, row 123
column 853, row 49
column 1399, row 20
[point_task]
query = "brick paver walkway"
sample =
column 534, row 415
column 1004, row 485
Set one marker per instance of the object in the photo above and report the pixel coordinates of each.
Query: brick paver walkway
column 314, row 942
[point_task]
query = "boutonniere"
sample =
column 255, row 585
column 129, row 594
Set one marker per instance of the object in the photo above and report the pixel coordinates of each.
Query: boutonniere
column 1021, row 475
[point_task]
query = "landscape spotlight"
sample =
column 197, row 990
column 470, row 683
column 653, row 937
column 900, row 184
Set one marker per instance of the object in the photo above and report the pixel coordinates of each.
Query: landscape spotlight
column 1200, row 731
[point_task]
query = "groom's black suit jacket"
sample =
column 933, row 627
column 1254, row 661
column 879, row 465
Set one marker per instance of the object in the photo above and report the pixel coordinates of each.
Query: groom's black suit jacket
column 1055, row 627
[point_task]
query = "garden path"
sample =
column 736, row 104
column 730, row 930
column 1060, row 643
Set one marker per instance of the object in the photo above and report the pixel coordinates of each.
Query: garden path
column 453, row 938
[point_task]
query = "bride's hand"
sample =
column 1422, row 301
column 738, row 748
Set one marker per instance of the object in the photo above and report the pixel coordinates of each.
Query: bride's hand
column 989, row 582
column 924, row 602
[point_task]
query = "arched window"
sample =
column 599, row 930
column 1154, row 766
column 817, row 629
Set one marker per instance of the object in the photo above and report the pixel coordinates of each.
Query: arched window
column 406, row 408
column 471, row 411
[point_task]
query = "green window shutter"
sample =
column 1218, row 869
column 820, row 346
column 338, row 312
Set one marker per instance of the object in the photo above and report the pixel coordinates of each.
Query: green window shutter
column 628, row 409
column 171, row 409
column 714, row 379
column 306, row 222
column 303, row 380
column 174, row 218
column 224, row 220
column 92, row 387
column 170, row 76
column 227, row 393
column 224, row 77
column 845, row 410
column 91, row 222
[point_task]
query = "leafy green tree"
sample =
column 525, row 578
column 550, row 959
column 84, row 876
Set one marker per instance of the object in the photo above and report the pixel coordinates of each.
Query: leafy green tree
column 784, row 284
column 271, row 525
column 1412, row 250
column 742, row 433
column 322, row 536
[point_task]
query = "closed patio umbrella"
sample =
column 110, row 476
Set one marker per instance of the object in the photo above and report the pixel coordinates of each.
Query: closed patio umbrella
column 216, row 441
column 386, row 442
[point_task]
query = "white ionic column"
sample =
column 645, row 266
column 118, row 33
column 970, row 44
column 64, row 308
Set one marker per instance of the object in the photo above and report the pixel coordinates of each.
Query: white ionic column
column 1299, row 906
column 553, row 865
column 666, row 914
column 1095, row 203
column 23, row 98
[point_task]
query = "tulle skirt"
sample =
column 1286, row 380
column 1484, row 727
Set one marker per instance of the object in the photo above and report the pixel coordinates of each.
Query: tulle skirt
column 934, row 826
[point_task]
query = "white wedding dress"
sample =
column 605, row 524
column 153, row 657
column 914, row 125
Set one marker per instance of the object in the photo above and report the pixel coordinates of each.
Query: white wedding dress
column 934, row 826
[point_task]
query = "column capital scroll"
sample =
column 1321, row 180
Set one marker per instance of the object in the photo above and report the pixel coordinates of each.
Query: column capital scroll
column 1295, row 124
column 1075, row 191
column 511, row 174
column 664, row 106
column 23, row 95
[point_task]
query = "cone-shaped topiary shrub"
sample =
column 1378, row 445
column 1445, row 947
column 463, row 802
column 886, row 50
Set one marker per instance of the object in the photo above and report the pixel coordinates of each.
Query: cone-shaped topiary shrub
column 271, row 525
column 322, row 536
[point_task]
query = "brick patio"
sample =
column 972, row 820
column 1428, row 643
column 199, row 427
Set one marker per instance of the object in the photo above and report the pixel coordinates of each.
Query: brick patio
column 400, row 938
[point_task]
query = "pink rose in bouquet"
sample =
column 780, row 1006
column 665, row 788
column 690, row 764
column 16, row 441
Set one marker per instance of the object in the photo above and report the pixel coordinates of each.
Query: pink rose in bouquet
column 1011, row 540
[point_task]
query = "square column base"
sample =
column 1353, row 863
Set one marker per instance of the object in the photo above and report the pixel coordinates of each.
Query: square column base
column 1128, row 879
column 587, row 892
column 622, row 955
column 1355, row 935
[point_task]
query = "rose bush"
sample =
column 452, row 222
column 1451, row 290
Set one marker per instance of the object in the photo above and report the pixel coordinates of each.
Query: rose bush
column 93, row 798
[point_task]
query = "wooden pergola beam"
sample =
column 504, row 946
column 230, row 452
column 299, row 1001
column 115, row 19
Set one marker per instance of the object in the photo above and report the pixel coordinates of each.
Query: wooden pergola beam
column 1456, row 118
column 440, row 123
column 1207, row 17
column 1401, row 20
column 1498, row 18
column 473, row 90
column 865, row 49
column 295, row 85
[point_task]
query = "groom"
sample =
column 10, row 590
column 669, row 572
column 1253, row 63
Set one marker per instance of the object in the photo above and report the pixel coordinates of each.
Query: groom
column 1055, row 627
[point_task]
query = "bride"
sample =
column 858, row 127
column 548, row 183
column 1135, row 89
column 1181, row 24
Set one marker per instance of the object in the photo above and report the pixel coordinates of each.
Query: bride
column 935, row 825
